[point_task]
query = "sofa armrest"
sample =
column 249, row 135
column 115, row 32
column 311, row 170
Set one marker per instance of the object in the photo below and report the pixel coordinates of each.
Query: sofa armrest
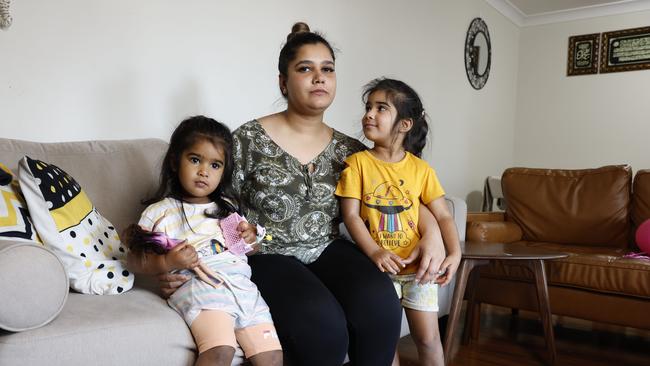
column 492, row 227
column 34, row 283
column 495, row 231
column 486, row 216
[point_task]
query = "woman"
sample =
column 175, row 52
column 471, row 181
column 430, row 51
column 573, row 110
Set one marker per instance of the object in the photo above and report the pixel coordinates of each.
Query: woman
column 326, row 297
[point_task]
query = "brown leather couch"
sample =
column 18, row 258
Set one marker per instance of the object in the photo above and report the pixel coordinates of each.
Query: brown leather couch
column 592, row 215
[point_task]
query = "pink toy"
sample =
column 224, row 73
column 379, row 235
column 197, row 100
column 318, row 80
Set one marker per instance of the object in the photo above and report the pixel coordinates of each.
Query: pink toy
column 235, row 244
column 643, row 236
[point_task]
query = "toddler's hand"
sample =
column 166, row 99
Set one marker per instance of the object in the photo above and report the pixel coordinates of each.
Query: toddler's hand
column 183, row 256
column 254, row 250
column 247, row 231
column 387, row 261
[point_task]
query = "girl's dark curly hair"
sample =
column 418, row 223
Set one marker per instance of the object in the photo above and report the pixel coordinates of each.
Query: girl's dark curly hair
column 408, row 105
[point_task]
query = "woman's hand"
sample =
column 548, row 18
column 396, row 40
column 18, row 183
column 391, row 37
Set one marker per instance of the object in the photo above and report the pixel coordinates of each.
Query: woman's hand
column 170, row 282
column 247, row 231
column 449, row 267
column 182, row 256
column 387, row 261
column 431, row 253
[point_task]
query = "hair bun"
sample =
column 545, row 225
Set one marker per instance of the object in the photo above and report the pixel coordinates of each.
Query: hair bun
column 299, row 27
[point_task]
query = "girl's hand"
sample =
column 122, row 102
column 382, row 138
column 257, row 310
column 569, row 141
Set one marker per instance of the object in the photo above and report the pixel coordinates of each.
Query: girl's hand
column 449, row 267
column 247, row 231
column 182, row 256
column 256, row 248
column 387, row 261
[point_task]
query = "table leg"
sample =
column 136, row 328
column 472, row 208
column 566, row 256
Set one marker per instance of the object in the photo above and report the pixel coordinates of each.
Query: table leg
column 464, row 269
column 537, row 267
column 473, row 315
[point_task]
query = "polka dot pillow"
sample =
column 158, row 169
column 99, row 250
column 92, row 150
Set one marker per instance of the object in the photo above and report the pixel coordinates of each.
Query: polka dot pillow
column 70, row 225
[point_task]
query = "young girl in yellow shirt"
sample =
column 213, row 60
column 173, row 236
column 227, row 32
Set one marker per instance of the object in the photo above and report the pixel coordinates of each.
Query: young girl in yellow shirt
column 381, row 191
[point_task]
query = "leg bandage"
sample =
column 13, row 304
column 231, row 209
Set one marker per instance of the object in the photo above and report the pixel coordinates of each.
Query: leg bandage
column 257, row 339
column 213, row 328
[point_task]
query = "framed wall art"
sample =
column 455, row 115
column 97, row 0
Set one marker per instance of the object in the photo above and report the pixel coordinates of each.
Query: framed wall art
column 583, row 54
column 625, row 50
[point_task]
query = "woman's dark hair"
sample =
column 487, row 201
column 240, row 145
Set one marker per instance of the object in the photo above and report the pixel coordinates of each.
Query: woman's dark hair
column 300, row 35
column 408, row 105
column 187, row 134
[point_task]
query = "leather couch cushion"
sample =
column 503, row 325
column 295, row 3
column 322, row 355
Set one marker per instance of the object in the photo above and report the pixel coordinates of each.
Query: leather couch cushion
column 581, row 207
column 641, row 197
column 598, row 269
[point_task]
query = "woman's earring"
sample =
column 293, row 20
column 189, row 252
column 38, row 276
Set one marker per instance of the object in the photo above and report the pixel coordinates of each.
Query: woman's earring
column 284, row 91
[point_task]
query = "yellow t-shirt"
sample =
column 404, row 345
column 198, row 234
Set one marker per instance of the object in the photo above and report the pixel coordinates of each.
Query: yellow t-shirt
column 390, row 195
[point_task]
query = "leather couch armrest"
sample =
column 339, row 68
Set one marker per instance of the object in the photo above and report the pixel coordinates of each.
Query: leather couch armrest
column 486, row 216
column 492, row 229
column 34, row 282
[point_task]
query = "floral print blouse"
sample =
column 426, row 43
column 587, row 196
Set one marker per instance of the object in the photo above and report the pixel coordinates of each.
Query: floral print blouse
column 294, row 203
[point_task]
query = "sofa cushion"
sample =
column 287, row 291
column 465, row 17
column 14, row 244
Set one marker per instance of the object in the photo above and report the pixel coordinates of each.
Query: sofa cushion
column 69, row 224
column 15, row 222
column 582, row 207
column 641, row 197
column 599, row 269
column 33, row 285
column 135, row 328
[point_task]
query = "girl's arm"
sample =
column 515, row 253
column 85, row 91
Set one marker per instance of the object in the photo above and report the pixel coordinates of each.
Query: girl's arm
column 383, row 259
column 450, row 237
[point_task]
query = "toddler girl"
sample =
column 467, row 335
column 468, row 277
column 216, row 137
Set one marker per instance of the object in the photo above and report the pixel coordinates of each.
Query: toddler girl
column 222, row 307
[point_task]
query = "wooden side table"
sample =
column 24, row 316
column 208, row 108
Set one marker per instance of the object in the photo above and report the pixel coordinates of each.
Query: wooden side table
column 476, row 254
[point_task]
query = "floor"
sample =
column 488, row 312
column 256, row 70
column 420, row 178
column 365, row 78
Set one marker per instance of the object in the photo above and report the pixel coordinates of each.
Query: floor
column 518, row 340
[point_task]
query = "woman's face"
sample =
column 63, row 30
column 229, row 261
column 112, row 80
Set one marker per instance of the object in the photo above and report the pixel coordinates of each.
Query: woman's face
column 310, row 83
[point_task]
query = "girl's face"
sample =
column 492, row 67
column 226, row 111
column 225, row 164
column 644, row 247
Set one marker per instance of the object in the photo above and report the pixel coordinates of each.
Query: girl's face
column 200, row 169
column 310, row 83
column 379, row 119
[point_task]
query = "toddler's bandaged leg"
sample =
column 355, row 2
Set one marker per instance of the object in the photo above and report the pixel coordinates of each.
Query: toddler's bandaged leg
column 257, row 339
column 213, row 328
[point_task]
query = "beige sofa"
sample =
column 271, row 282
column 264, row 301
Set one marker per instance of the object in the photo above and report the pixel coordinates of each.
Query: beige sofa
column 134, row 328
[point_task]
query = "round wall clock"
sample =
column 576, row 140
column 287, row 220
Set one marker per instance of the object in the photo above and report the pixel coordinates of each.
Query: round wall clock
column 478, row 53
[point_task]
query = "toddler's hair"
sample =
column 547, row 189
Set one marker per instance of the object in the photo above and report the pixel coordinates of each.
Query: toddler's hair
column 408, row 105
column 187, row 134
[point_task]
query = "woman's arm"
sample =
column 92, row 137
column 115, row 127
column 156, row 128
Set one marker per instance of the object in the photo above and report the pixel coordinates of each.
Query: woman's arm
column 385, row 260
column 450, row 237
column 161, row 264
column 430, row 248
column 180, row 257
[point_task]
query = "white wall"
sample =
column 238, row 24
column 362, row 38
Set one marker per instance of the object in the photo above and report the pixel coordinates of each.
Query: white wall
column 77, row 70
column 579, row 121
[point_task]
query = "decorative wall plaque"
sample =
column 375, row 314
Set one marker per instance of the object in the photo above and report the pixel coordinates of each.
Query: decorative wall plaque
column 583, row 54
column 478, row 53
column 625, row 50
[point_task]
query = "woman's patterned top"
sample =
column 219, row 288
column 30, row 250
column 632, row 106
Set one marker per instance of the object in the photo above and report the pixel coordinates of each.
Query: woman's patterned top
column 294, row 203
